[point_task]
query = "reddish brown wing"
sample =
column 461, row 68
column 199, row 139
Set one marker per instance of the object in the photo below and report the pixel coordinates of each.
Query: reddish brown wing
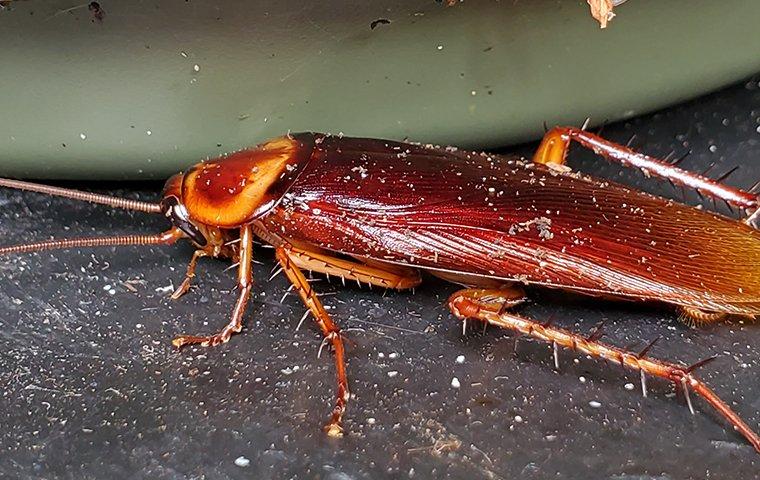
column 498, row 217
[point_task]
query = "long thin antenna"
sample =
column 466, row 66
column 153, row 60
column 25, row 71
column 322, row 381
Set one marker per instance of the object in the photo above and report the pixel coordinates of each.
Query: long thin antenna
column 166, row 238
column 116, row 202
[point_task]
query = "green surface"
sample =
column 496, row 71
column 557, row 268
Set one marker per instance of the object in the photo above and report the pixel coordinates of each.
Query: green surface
column 157, row 85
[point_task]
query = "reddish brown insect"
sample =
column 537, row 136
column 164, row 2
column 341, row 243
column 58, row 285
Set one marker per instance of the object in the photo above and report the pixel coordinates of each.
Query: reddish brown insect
column 379, row 212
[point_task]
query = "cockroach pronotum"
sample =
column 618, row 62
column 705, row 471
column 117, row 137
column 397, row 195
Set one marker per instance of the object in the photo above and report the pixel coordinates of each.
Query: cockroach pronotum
column 381, row 212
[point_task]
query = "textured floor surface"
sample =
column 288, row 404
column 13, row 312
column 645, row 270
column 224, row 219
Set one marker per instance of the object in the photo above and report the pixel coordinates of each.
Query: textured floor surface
column 91, row 387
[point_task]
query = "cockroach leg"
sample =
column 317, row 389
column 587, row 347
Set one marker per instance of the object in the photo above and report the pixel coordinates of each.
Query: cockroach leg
column 695, row 317
column 185, row 285
column 486, row 305
column 556, row 143
column 330, row 330
column 245, row 282
column 381, row 275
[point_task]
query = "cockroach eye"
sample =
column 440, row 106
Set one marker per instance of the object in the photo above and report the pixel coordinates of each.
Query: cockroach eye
column 179, row 217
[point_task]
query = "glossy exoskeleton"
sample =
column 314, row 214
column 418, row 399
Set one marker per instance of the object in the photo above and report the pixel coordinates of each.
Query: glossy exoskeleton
column 379, row 212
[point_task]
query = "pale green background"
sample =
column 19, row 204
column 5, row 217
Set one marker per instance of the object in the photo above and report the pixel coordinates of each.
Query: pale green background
column 483, row 73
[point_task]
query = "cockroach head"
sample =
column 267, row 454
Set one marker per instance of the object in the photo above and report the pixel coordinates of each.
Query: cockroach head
column 173, row 208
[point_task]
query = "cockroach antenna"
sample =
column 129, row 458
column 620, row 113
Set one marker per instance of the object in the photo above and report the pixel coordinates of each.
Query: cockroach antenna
column 165, row 238
column 116, row 202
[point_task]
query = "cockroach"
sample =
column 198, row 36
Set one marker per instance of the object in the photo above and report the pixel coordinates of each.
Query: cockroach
column 380, row 212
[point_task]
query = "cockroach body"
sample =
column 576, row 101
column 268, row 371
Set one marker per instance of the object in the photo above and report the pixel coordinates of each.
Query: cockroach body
column 380, row 212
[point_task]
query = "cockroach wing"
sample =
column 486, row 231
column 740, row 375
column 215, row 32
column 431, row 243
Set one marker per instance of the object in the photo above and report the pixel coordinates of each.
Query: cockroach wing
column 470, row 213
column 234, row 189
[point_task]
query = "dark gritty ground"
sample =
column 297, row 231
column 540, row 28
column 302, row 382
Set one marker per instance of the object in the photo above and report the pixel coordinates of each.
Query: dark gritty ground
column 91, row 387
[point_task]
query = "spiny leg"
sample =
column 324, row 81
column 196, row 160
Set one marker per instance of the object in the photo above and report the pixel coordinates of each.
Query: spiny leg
column 486, row 305
column 245, row 282
column 695, row 317
column 556, row 143
column 185, row 285
column 330, row 330
column 388, row 276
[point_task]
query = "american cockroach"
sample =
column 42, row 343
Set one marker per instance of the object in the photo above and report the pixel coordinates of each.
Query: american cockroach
column 380, row 212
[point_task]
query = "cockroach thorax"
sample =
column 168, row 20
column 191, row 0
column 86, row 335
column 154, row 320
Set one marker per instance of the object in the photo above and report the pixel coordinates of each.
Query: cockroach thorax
column 235, row 189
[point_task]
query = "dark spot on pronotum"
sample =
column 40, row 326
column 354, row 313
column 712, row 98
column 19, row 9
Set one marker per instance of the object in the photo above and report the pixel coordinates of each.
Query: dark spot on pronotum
column 379, row 21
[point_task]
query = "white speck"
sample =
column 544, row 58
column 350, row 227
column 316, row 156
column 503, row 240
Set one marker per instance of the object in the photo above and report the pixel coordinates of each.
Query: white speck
column 582, row 379
column 289, row 370
column 82, row 136
column 713, row 148
column 594, row 404
column 107, row 287
column 196, row 68
column 392, row 373
column 473, row 93
column 629, row 386
column 460, row 359
column 242, row 462
column 518, row 419
column 149, row 132
column 439, row 47
column 393, row 355
column 112, row 292
column 165, row 289
column 455, row 382
column 183, row 54
column 371, row 421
